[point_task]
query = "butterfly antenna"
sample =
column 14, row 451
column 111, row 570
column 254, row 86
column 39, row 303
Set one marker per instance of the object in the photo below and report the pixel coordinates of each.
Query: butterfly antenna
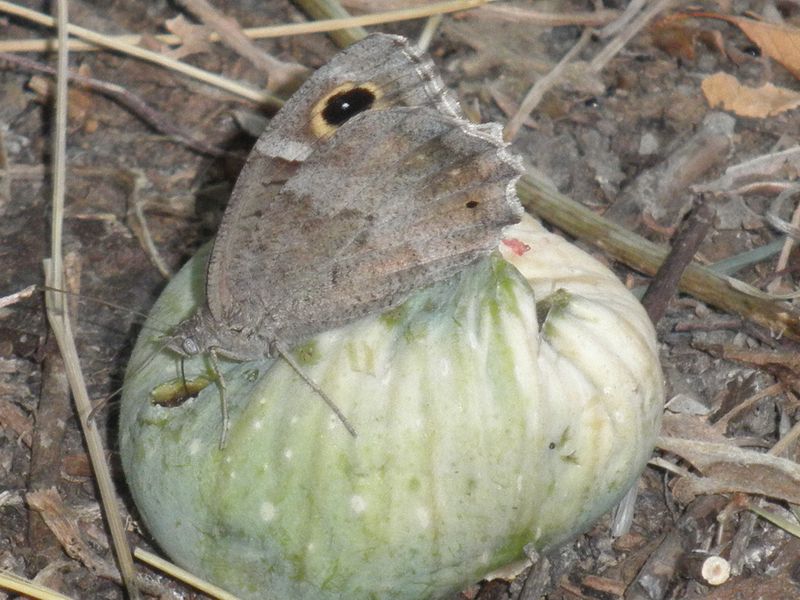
column 283, row 351
column 119, row 307
column 133, row 372
column 101, row 405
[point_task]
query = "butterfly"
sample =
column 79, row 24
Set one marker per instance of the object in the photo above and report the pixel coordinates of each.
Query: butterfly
column 369, row 184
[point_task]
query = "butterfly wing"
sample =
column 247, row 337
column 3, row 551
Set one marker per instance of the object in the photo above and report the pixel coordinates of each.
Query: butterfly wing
column 378, row 72
column 375, row 73
column 395, row 200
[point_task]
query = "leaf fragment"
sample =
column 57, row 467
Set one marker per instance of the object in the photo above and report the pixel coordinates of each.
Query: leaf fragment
column 727, row 468
column 780, row 42
column 722, row 89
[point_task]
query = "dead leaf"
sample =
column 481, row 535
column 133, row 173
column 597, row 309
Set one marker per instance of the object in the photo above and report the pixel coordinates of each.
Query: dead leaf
column 194, row 38
column 730, row 478
column 13, row 418
column 780, row 42
column 81, row 108
column 713, row 39
column 675, row 38
column 784, row 164
column 728, row 468
column 63, row 522
column 690, row 427
column 722, row 89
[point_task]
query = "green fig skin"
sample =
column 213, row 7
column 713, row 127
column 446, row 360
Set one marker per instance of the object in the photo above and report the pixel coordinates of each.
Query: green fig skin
column 479, row 430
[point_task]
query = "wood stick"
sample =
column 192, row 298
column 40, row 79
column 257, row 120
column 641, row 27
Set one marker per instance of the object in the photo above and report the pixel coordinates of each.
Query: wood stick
column 646, row 257
column 665, row 283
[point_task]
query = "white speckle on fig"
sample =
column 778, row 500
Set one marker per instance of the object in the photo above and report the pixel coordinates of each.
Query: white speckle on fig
column 195, row 446
column 268, row 511
column 358, row 504
column 424, row 517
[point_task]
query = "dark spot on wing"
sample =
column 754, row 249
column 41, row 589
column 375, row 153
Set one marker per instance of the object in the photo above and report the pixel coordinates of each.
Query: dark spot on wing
column 346, row 104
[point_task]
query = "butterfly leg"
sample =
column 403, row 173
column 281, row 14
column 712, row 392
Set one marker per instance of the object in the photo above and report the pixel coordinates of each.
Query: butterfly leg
column 284, row 353
column 223, row 398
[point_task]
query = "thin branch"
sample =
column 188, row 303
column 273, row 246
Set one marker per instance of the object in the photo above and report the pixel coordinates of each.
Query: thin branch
column 626, row 35
column 684, row 247
column 5, row 182
column 59, row 172
column 126, row 98
column 332, row 9
column 281, row 74
column 428, row 31
column 270, row 31
column 783, row 259
column 143, row 231
column 58, row 316
column 645, row 256
column 739, row 178
column 538, row 18
column 14, row 583
column 23, row 294
column 186, row 577
column 614, row 27
column 542, row 85
column 239, row 89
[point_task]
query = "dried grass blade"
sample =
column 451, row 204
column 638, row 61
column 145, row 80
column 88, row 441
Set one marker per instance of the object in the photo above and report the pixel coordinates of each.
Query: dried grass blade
column 59, row 318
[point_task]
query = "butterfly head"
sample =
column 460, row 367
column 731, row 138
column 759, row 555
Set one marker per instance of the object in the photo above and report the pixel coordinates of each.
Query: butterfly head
column 189, row 337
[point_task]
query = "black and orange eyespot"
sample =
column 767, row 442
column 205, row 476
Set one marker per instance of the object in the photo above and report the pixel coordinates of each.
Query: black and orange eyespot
column 342, row 104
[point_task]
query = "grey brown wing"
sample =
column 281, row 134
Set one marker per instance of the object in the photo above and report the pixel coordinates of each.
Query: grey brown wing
column 379, row 72
column 396, row 200
column 260, row 181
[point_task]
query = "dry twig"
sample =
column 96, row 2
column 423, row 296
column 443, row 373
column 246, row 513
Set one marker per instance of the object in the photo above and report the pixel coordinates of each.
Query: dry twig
column 256, row 33
column 31, row 589
column 332, row 9
column 537, row 18
column 223, row 83
column 627, row 34
column 645, row 256
column 176, row 572
column 653, row 580
column 282, row 75
column 428, row 31
column 138, row 223
column 52, row 415
column 542, row 85
column 792, row 229
column 126, row 98
column 665, row 282
column 58, row 316
column 17, row 296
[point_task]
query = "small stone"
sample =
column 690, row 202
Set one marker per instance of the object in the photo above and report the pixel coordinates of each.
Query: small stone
column 648, row 144
column 687, row 405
